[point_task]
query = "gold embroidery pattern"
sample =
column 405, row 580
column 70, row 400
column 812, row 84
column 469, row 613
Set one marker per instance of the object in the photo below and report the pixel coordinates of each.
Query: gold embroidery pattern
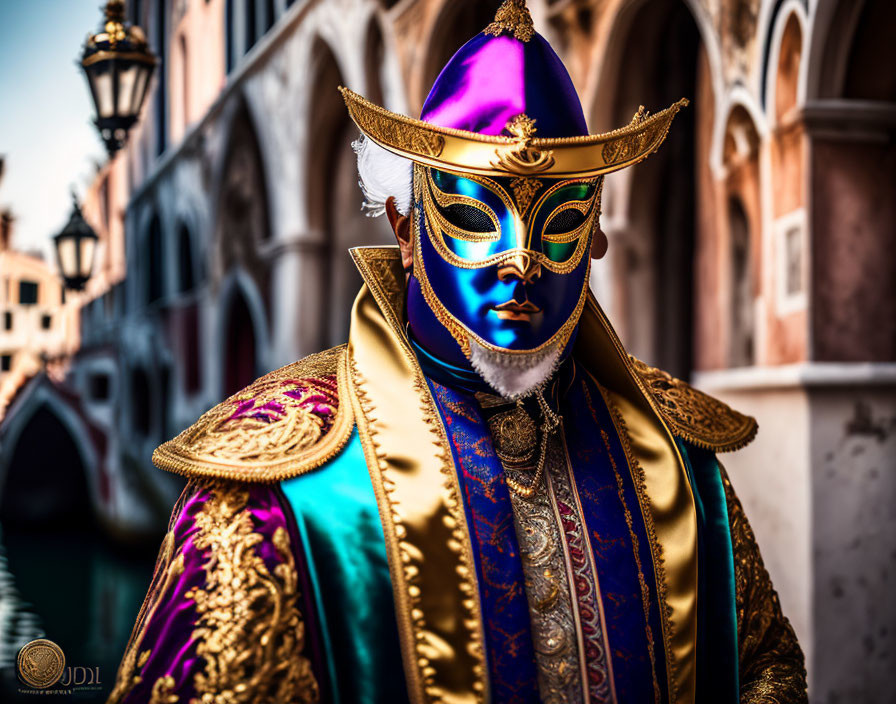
column 513, row 17
column 637, row 475
column 548, row 591
column 283, row 424
column 168, row 568
column 524, row 190
column 695, row 416
column 514, row 435
column 521, row 157
column 379, row 124
column 772, row 668
column 639, row 142
column 162, row 691
column 249, row 630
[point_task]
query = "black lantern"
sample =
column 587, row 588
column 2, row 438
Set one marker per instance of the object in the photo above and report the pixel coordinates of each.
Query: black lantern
column 118, row 65
column 75, row 247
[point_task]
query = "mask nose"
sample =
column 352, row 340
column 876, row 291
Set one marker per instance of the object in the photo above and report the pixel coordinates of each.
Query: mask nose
column 521, row 266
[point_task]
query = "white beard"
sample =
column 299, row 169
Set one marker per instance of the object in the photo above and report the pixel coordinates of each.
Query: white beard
column 514, row 375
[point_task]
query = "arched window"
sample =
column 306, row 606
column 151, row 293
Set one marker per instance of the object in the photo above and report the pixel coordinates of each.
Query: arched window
column 186, row 265
column 141, row 402
column 741, row 348
column 334, row 199
column 657, row 59
column 240, row 363
column 154, row 261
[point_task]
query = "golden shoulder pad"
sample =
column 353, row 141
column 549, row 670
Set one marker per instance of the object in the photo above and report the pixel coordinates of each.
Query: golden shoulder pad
column 694, row 416
column 283, row 424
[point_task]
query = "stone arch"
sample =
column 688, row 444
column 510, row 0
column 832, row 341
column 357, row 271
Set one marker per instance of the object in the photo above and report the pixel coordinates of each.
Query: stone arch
column 154, row 271
column 243, row 224
column 656, row 58
column 741, row 232
column 374, row 59
column 785, row 82
column 334, row 199
column 46, row 455
column 774, row 20
column 849, row 37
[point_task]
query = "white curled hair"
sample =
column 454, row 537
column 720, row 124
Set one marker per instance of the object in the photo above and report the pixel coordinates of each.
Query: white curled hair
column 382, row 175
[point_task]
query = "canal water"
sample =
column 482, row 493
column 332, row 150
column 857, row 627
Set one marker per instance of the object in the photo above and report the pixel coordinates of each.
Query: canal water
column 76, row 587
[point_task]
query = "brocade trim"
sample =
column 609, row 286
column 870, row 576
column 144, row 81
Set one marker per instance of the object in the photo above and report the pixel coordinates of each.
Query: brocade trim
column 249, row 629
column 772, row 667
column 551, row 611
column 696, row 417
column 168, row 568
column 637, row 474
column 572, row 654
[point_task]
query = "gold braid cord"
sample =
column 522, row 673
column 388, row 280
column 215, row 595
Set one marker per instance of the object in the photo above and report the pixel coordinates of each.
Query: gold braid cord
column 772, row 669
column 250, row 631
column 694, row 416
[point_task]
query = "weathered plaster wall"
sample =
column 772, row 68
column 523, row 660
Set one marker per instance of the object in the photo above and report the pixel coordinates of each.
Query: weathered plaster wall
column 853, row 459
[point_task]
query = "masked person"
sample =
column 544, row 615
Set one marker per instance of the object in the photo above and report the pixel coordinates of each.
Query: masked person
column 481, row 497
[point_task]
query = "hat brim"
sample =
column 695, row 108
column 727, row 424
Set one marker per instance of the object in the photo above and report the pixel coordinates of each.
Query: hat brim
column 514, row 156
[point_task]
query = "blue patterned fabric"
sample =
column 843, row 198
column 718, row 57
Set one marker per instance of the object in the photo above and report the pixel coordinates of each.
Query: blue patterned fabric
column 505, row 610
column 607, row 492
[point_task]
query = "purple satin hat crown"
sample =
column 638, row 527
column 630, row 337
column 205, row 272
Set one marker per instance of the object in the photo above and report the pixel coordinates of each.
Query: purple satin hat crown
column 506, row 70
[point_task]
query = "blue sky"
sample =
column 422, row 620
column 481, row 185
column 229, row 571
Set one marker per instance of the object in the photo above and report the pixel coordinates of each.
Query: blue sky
column 46, row 131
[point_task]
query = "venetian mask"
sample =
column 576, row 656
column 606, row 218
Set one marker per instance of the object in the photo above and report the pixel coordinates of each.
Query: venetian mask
column 502, row 263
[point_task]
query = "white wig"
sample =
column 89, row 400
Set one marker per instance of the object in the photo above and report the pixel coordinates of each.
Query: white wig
column 383, row 175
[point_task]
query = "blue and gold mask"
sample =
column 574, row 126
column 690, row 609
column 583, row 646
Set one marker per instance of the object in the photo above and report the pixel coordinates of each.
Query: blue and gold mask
column 502, row 261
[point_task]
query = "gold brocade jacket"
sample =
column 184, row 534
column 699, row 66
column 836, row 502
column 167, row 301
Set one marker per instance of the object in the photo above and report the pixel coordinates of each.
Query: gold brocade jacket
column 285, row 434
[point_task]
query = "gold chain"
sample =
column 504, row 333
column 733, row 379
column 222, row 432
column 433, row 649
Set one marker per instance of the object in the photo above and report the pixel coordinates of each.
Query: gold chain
column 550, row 423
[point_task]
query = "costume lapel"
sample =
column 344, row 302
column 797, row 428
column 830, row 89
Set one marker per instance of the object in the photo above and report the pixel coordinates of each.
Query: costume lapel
column 407, row 454
column 664, row 493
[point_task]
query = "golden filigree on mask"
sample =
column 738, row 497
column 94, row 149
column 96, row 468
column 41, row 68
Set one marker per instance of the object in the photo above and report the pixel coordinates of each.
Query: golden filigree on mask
column 458, row 331
column 524, row 190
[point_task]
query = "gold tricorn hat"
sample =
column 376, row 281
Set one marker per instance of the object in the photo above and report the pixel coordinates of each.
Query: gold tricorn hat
column 516, row 154
column 483, row 111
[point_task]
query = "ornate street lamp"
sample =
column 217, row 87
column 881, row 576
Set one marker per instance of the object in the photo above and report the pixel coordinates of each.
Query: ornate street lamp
column 75, row 246
column 118, row 64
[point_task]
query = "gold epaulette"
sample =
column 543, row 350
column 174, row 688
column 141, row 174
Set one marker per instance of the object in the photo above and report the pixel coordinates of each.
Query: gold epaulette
column 694, row 416
column 285, row 423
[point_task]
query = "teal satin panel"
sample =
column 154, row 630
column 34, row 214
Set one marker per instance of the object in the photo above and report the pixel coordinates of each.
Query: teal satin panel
column 717, row 651
column 342, row 538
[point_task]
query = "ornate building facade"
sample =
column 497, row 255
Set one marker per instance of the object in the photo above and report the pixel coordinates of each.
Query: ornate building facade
column 755, row 254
